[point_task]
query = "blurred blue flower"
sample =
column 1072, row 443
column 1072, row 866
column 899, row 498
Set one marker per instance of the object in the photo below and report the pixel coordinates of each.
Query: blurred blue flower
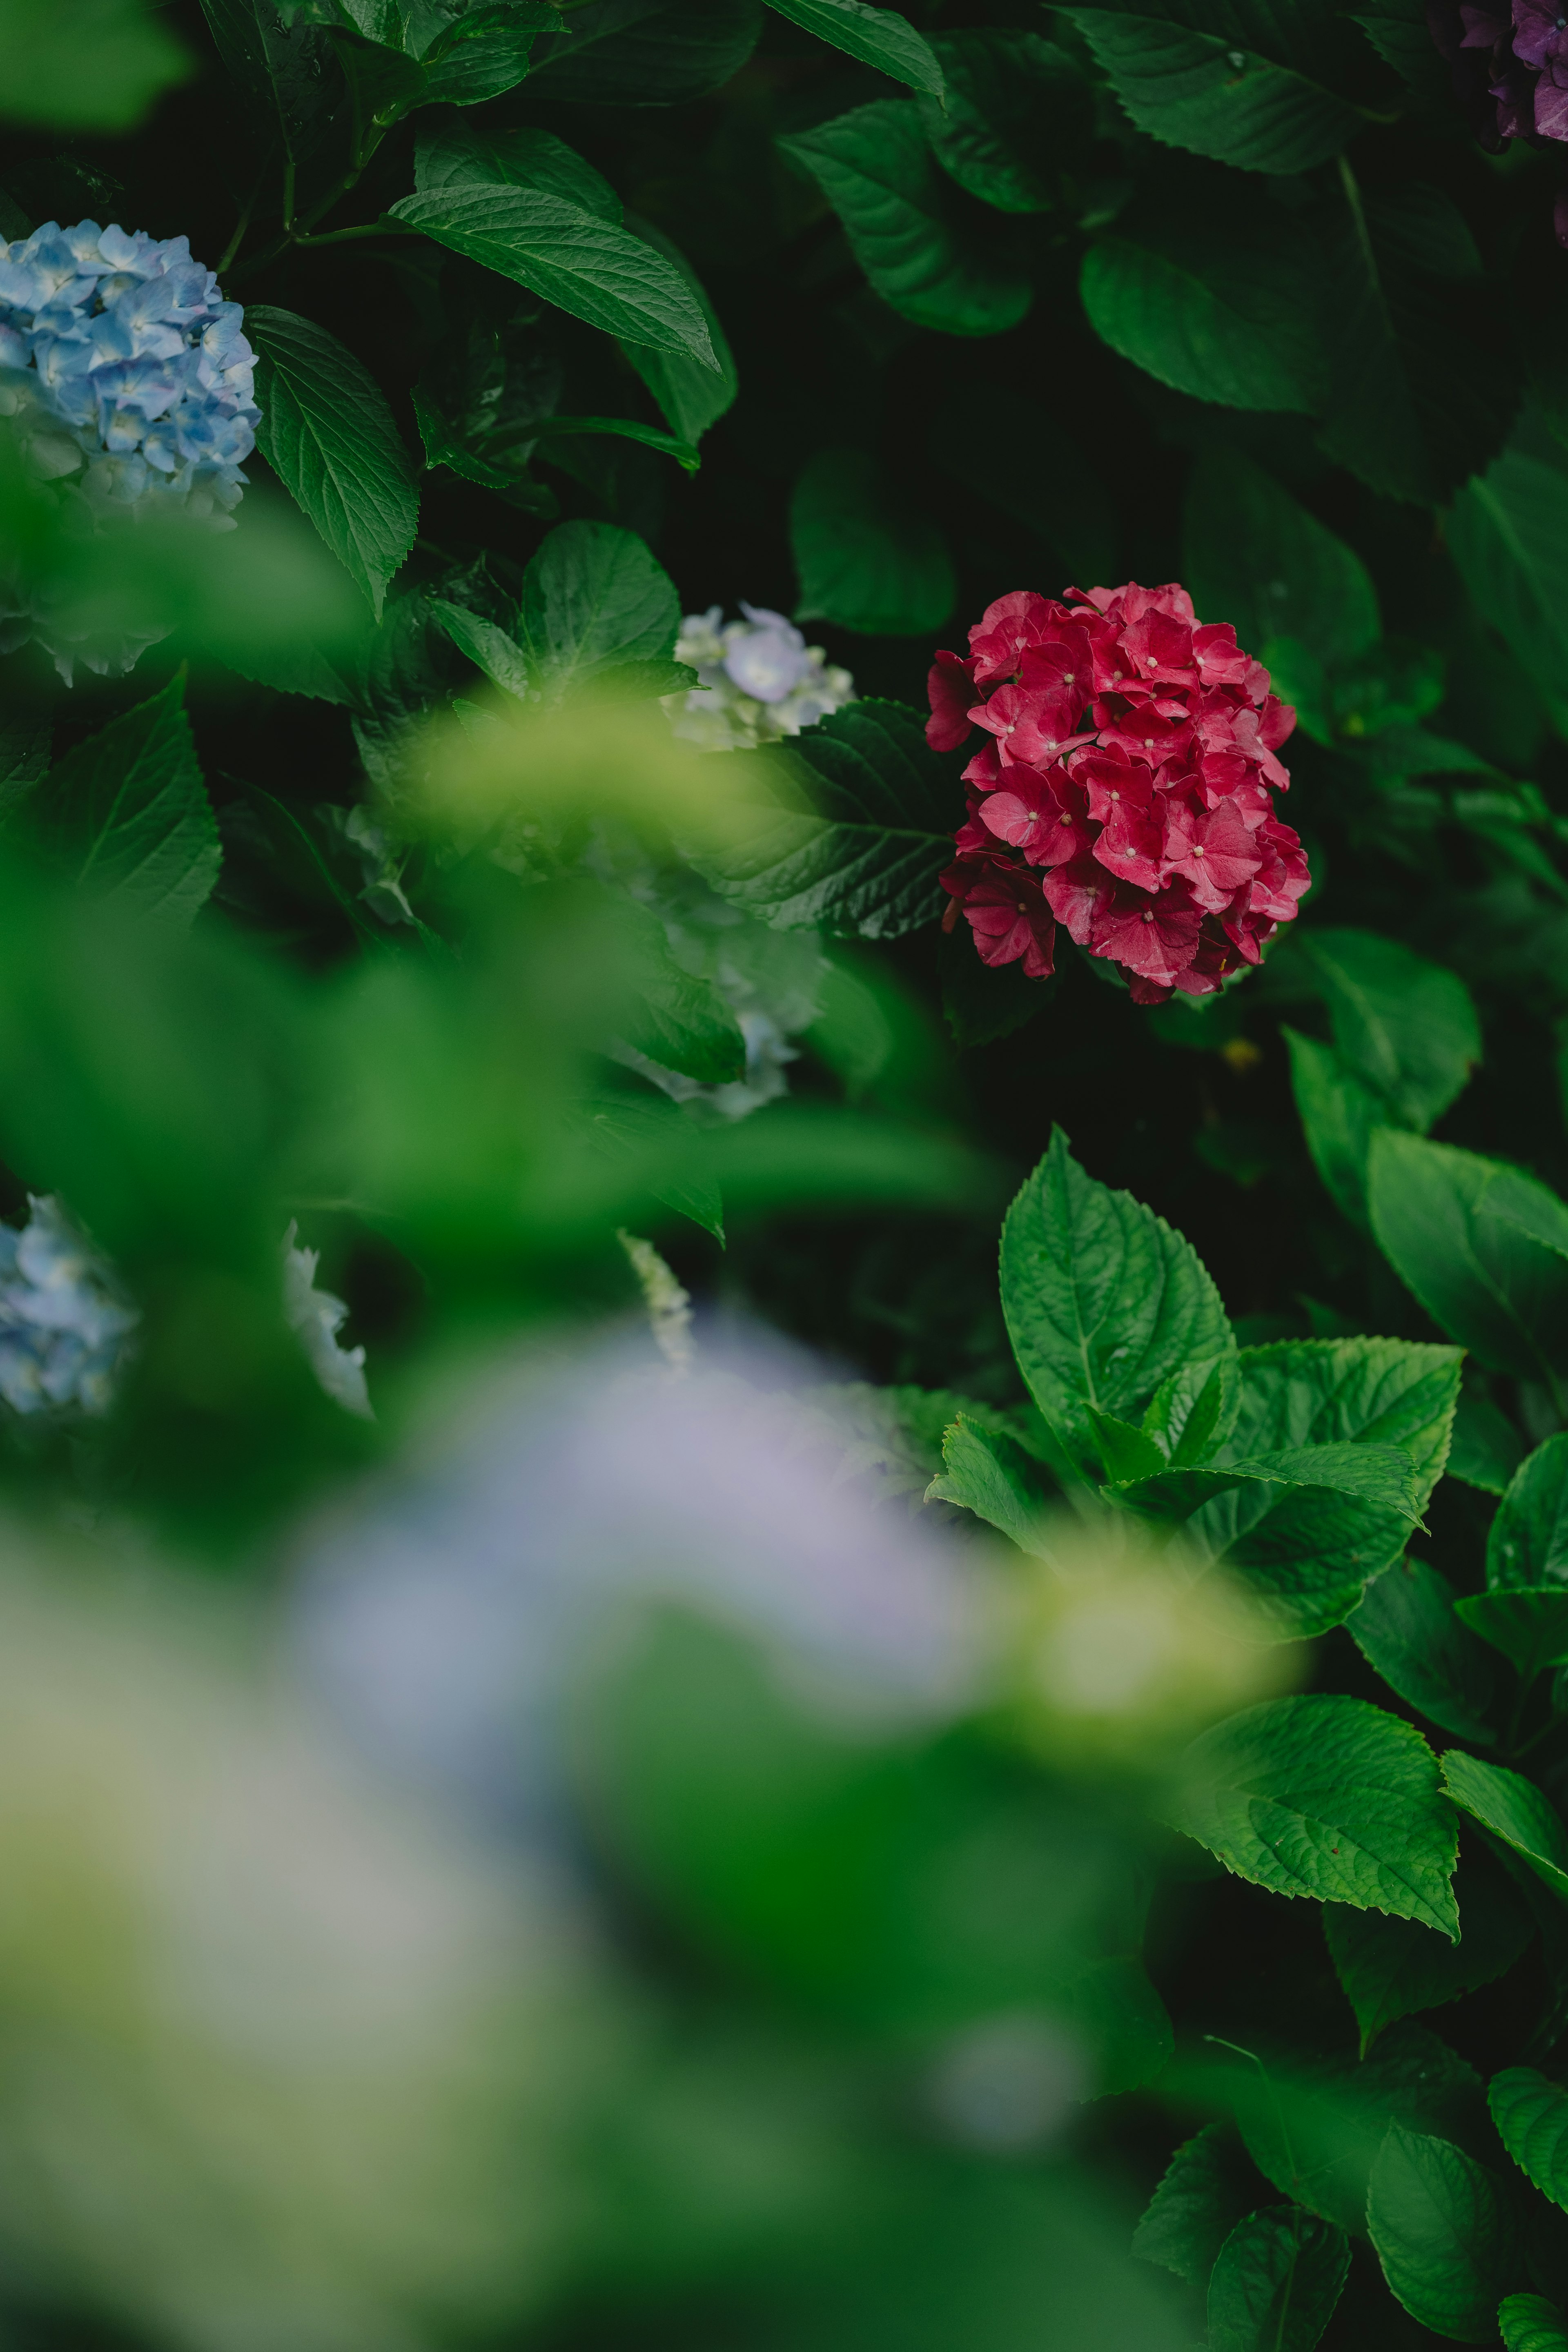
column 63, row 1322
column 760, row 681
column 123, row 369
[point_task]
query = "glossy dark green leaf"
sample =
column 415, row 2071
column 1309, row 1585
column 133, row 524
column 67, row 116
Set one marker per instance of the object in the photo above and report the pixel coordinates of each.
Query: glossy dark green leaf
column 1279, row 2276
column 988, row 1472
column 1442, row 2232
column 1326, row 1797
column 1406, row 1627
column 1515, row 1812
column 1338, row 1113
column 463, row 152
column 848, row 828
column 1103, row 1301
column 865, row 557
column 1209, row 2184
column 1531, row 2116
column 1214, row 92
column 126, row 815
column 1508, row 534
column 1016, row 108
column 1315, row 2128
column 1530, row 2323
column 1527, row 1542
column 1487, row 1448
column 1483, row 1248
column 1425, row 381
column 1404, row 1026
column 583, row 263
column 329, row 436
column 899, row 213
column 594, row 597
column 1530, row 1626
column 1215, row 300
column 646, row 52
column 878, row 36
column 1392, row 1968
column 691, row 395
column 1254, row 556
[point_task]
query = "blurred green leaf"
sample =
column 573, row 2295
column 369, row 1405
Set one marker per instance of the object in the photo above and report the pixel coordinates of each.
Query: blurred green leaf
column 87, row 65
column 1509, row 531
column 1275, row 2282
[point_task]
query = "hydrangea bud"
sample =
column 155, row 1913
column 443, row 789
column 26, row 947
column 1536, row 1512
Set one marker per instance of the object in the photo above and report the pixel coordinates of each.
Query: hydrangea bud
column 63, row 1322
column 128, row 383
column 1124, row 787
column 760, row 681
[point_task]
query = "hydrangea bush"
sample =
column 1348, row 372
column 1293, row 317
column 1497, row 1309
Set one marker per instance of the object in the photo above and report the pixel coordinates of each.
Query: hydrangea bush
column 1060, row 1838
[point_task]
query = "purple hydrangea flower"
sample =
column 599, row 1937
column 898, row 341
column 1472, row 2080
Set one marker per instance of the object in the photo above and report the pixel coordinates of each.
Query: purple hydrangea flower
column 1510, row 70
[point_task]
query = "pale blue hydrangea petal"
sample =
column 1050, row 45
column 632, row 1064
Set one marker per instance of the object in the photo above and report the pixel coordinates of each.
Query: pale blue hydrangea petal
column 759, row 681
column 63, row 1322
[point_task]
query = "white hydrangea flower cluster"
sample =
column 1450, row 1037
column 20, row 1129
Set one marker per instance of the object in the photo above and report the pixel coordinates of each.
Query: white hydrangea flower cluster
column 124, row 370
column 760, row 681
column 63, row 1321
column 317, row 1316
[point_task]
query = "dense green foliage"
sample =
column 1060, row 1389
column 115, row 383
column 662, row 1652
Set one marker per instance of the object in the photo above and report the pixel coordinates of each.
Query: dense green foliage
column 376, row 900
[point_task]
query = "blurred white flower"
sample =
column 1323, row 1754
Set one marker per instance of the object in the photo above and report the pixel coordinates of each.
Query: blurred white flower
column 318, row 1317
column 760, row 681
column 284, row 2061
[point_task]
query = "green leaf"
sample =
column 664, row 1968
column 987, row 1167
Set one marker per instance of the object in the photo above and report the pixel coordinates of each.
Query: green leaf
column 1217, row 302
column 1103, row 1301
column 864, row 560
column 1253, row 555
column 328, row 434
column 1060, row 497
column 1441, row 2228
column 1425, row 383
column 593, row 596
column 1405, row 1027
column 690, row 396
column 1194, row 1411
column 1530, row 1627
column 1531, row 2116
column 1531, row 2324
column 487, row 646
column 1487, row 1448
column 1390, row 1969
column 1310, row 1555
column 483, row 55
column 1017, row 108
column 1330, row 1798
column 624, row 428
column 1338, row 1114
column 681, row 1022
column 846, row 829
column 1406, row 1627
column 584, row 265
column 648, row 1129
column 1315, row 2132
column 1508, row 535
column 1208, row 2187
column 1527, row 1543
column 1382, row 1475
column 92, row 64
column 1216, row 96
column 899, row 214
column 127, row 816
column 459, row 153
column 877, row 37
column 648, row 52
column 1279, row 2276
column 988, row 1472
column 1515, row 1812
column 1482, row 1246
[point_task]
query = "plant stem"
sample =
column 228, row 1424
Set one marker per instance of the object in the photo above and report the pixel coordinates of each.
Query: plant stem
column 241, row 224
column 371, row 228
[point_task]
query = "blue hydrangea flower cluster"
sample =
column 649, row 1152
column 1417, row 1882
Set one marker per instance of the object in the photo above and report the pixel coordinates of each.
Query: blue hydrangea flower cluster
column 123, row 368
column 63, row 1323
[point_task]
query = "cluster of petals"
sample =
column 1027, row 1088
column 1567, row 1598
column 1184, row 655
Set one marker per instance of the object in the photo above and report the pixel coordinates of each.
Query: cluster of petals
column 1123, row 786
column 1509, row 61
column 123, row 367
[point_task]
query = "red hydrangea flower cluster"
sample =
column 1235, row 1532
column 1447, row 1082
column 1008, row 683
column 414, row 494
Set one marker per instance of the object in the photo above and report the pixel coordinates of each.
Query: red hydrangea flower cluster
column 1123, row 788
